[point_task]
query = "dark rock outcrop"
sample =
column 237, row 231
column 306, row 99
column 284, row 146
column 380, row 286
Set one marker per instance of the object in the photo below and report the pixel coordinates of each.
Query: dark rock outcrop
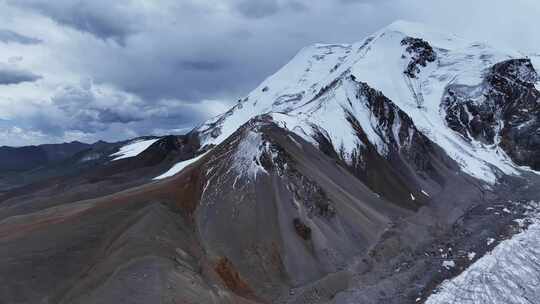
column 421, row 54
column 506, row 112
column 513, row 89
column 302, row 229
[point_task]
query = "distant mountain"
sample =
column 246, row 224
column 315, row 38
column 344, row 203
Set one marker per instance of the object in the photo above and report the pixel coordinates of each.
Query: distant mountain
column 25, row 158
column 21, row 166
column 359, row 173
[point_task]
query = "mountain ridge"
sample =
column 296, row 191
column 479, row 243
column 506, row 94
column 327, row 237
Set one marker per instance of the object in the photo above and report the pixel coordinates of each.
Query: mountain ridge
column 365, row 172
column 408, row 92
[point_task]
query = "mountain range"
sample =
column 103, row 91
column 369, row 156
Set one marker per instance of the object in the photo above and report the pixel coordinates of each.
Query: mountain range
column 384, row 171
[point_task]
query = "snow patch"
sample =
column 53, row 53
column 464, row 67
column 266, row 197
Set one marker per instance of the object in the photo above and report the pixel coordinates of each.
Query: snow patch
column 179, row 167
column 90, row 157
column 133, row 149
column 248, row 155
column 520, row 222
column 448, row 264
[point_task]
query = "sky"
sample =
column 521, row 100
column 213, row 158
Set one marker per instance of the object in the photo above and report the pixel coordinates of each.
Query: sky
column 112, row 70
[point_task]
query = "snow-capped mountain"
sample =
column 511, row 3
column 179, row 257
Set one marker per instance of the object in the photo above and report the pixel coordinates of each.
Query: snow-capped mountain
column 358, row 173
column 443, row 84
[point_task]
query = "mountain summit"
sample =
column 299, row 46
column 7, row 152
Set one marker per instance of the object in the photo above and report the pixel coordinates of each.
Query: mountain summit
column 429, row 76
column 358, row 173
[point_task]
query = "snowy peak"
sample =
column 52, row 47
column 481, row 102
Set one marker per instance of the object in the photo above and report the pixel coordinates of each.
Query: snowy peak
column 436, row 37
column 322, row 90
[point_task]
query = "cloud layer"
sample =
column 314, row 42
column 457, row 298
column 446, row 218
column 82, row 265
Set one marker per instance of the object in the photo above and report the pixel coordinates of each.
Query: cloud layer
column 89, row 70
column 11, row 75
column 7, row 36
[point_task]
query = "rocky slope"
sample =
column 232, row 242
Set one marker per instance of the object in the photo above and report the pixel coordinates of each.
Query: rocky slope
column 358, row 173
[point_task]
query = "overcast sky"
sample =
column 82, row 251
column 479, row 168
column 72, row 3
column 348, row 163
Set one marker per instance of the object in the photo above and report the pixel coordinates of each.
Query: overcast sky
column 112, row 70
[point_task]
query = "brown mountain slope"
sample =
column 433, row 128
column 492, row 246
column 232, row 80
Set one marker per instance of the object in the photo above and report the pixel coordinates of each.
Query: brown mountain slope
column 259, row 215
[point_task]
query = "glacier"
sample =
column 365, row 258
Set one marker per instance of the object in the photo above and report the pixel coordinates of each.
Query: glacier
column 508, row 274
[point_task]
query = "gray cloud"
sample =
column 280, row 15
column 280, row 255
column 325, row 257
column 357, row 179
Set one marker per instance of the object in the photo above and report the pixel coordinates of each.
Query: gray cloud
column 10, row 75
column 173, row 56
column 297, row 6
column 89, row 110
column 201, row 65
column 265, row 8
column 8, row 36
column 92, row 110
column 103, row 19
column 258, row 9
column 358, row 1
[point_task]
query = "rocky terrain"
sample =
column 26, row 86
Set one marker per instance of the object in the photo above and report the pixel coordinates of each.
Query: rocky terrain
column 373, row 172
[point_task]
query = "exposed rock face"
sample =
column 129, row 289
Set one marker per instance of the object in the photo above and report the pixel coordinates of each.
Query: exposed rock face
column 504, row 110
column 411, row 157
column 173, row 147
column 302, row 216
column 421, row 54
column 514, row 88
column 301, row 229
column 226, row 271
column 470, row 119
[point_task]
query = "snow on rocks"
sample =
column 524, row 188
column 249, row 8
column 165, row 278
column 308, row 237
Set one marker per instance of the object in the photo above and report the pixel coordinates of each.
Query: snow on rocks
column 457, row 63
column 179, row 167
column 292, row 86
column 329, row 115
column 247, row 158
column 448, row 264
column 521, row 222
column 133, row 149
column 509, row 274
column 535, row 60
